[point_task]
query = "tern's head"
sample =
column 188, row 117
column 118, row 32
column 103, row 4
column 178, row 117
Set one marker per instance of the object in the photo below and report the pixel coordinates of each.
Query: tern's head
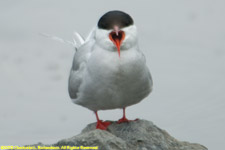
column 116, row 31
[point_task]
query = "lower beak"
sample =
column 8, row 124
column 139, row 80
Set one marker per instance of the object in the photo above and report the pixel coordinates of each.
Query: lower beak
column 117, row 38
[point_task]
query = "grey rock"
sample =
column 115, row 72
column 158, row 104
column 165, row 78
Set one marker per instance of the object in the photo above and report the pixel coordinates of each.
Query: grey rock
column 136, row 135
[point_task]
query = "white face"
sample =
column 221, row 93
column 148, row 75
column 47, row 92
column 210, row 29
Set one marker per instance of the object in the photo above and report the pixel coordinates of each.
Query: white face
column 130, row 40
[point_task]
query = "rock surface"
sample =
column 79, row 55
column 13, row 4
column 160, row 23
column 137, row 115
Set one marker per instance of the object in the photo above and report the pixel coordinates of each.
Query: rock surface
column 136, row 135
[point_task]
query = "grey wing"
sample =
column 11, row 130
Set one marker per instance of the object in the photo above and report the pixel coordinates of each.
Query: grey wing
column 148, row 73
column 74, row 83
column 150, row 80
column 78, row 68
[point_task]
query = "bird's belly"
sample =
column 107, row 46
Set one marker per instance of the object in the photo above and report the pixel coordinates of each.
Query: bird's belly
column 110, row 86
column 118, row 93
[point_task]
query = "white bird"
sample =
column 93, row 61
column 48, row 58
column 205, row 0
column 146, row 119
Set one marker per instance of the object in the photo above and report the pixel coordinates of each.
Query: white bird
column 109, row 71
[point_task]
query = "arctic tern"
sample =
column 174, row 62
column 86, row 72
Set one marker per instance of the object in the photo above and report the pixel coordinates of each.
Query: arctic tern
column 109, row 71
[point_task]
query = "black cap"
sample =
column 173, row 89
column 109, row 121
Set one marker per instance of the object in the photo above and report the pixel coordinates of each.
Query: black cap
column 112, row 18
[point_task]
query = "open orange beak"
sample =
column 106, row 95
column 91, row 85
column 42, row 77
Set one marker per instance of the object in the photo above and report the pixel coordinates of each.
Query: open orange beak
column 117, row 36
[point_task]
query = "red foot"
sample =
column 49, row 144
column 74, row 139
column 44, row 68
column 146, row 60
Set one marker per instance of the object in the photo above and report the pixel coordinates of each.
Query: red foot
column 102, row 125
column 124, row 119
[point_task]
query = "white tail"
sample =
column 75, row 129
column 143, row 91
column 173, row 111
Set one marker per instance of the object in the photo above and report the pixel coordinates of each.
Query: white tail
column 78, row 39
column 76, row 43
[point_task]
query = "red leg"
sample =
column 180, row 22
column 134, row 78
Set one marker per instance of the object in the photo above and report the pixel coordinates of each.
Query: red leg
column 124, row 119
column 100, row 124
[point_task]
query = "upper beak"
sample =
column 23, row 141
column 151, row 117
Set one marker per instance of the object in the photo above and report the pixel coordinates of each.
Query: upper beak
column 117, row 36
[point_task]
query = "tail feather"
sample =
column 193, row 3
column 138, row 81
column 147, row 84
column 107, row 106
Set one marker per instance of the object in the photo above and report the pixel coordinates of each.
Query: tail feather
column 76, row 43
column 78, row 39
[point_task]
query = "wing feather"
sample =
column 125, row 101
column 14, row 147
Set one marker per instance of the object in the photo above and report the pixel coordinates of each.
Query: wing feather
column 78, row 68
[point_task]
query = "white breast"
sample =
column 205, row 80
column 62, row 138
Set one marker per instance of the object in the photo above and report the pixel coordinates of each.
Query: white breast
column 110, row 81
